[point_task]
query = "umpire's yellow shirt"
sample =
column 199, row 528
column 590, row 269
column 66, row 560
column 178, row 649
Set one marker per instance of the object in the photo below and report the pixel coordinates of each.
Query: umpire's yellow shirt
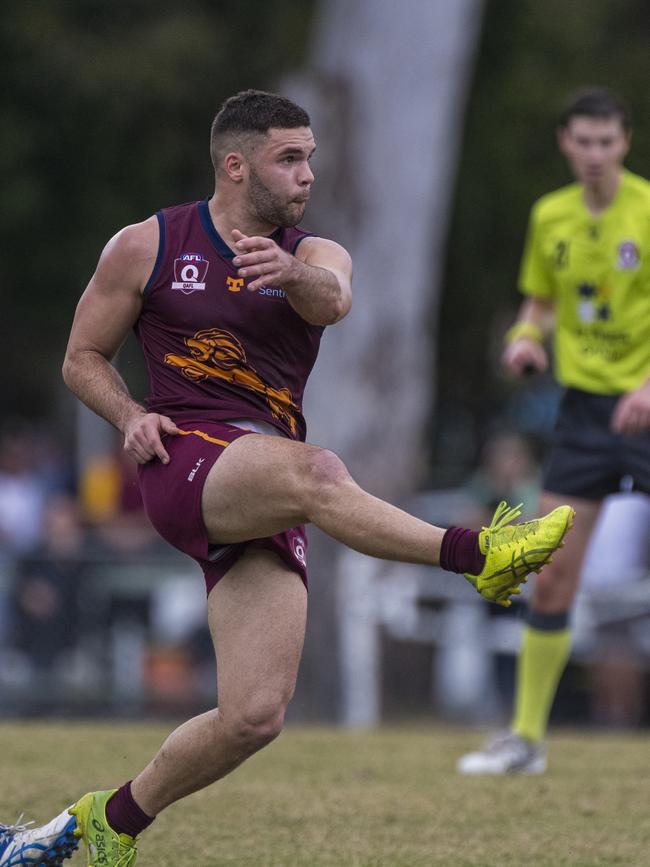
column 597, row 271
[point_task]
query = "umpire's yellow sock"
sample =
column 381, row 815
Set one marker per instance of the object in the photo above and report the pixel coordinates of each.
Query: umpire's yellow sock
column 543, row 656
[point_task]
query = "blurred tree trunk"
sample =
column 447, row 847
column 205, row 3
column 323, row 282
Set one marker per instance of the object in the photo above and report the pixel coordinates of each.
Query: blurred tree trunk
column 386, row 91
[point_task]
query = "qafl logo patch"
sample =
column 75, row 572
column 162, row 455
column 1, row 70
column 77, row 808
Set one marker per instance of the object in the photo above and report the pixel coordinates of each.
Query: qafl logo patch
column 189, row 273
column 299, row 547
column 629, row 257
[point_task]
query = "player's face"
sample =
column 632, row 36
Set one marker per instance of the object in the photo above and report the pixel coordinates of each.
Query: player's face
column 280, row 177
column 594, row 147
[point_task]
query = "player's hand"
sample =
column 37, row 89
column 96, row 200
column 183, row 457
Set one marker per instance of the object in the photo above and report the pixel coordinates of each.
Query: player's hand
column 525, row 356
column 262, row 260
column 632, row 412
column 143, row 437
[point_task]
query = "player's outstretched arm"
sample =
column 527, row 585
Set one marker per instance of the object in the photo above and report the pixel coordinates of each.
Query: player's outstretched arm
column 317, row 280
column 105, row 314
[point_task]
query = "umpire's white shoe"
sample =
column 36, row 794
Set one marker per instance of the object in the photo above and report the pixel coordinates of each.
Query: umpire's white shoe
column 507, row 753
column 47, row 846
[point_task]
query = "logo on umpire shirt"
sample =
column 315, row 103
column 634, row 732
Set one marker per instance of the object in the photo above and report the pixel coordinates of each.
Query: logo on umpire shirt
column 189, row 273
column 628, row 256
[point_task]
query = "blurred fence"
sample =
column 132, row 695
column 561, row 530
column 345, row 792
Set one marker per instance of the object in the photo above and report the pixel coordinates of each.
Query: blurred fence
column 125, row 634
column 384, row 604
column 385, row 610
column 128, row 638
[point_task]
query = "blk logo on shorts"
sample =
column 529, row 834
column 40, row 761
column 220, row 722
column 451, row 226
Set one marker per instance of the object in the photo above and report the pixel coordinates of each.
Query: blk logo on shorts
column 195, row 470
column 190, row 271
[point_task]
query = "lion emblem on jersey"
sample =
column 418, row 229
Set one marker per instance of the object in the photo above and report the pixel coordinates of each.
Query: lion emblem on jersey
column 218, row 354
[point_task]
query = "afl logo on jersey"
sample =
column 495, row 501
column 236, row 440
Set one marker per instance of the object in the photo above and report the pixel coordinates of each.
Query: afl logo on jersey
column 189, row 273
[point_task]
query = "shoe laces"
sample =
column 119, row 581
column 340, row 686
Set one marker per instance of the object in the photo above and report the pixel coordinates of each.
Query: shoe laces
column 11, row 830
column 127, row 852
column 503, row 516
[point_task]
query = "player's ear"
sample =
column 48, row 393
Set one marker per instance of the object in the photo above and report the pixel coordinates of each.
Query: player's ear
column 234, row 166
column 562, row 134
column 628, row 142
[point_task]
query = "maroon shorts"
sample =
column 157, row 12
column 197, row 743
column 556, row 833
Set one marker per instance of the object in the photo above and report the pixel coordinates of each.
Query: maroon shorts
column 172, row 499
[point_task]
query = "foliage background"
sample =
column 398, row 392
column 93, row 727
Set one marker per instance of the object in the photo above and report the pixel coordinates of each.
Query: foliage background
column 531, row 56
column 106, row 109
column 106, row 113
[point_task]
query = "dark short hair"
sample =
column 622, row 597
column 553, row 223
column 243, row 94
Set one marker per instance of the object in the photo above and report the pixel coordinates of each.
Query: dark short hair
column 597, row 102
column 250, row 113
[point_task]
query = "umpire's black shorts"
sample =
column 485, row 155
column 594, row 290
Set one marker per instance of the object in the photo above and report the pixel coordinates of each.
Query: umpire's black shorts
column 586, row 458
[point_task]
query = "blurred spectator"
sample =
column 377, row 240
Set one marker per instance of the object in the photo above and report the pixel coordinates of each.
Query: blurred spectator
column 507, row 471
column 46, row 587
column 111, row 502
column 22, row 492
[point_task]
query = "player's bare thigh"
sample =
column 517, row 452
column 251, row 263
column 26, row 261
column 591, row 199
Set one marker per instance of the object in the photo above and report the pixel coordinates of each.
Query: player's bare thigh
column 555, row 588
column 257, row 615
column 261, row 485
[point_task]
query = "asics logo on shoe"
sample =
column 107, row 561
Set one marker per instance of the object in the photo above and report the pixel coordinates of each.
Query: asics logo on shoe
column 100, row 851
column 98, row 846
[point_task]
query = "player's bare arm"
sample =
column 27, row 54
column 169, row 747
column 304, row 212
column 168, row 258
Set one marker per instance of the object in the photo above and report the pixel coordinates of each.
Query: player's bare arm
column 525, row 349
column 106, row 312
column 317, row 280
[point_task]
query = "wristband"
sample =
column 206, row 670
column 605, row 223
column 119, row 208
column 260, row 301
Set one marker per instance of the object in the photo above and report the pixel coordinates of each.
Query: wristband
column 524, row 329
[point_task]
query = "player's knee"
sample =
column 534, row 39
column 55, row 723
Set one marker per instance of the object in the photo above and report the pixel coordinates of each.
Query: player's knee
column 256, row 726
column 323, row 473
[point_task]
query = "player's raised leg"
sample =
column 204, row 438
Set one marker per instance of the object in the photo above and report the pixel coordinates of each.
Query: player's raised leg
column 263, row 485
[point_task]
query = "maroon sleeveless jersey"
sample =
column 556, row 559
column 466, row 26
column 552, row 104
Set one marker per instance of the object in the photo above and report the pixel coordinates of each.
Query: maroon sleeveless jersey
column 214, row 350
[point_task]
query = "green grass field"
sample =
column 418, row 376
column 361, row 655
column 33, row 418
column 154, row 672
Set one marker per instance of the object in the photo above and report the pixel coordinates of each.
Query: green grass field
column 327, row 797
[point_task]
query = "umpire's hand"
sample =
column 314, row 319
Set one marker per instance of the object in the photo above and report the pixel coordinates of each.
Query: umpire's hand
column 525, row 356
column 632, row 412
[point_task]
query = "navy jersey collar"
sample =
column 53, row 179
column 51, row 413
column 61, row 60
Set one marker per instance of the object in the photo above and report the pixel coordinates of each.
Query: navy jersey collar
column 220, row 245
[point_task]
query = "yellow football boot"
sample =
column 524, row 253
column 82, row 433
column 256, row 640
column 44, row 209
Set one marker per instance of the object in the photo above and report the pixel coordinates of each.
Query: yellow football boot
column 104, row 846
column 512, row 551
